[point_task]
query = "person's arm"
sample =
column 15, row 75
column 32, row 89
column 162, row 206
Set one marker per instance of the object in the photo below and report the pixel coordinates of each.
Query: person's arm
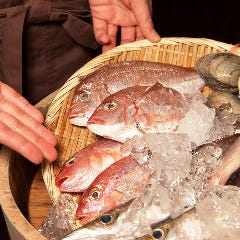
column 21, row 127
column 133, row 16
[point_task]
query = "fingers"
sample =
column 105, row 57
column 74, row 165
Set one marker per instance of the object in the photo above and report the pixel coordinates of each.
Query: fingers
column 139, row 34
column 100, row 28
column 9, row 94
column 27, row 120
column 128, row 34
column 112, row 34
column 21, row 127
column 21, row 139
column 142, row 14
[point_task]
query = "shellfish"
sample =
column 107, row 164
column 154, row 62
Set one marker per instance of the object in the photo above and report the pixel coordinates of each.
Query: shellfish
column 227, row 106
column 220, row 71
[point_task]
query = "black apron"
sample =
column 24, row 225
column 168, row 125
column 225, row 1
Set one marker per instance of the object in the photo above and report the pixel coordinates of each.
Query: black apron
column 43, row 43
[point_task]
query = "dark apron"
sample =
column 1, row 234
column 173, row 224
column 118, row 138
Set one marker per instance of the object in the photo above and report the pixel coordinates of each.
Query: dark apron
column 43, row 43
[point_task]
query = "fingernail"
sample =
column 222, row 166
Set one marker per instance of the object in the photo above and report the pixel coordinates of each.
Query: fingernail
column 155, row 36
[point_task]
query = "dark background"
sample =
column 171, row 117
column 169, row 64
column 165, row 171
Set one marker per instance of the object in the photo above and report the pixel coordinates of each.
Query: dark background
column 218, row 20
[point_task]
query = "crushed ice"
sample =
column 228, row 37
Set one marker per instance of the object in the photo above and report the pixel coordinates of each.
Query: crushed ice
column 61, row 219
column 219, row 211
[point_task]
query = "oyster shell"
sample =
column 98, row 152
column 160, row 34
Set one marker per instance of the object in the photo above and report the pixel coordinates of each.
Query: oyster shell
column 220, row 71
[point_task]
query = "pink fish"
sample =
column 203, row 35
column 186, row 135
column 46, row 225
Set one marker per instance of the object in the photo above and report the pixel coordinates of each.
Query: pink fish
column 114, row 77
column 230, row 164
column 138, row 110
column 83, row 167
column 121, row 182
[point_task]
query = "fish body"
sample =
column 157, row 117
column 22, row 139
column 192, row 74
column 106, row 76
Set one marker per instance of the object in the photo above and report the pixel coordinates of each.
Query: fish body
column 119, row 183
column 83, row 167
column 138, row 110
column 230, row 163
column 114, row 77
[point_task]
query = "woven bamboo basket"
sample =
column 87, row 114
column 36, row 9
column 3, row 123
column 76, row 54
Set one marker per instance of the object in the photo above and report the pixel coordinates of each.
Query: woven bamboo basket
column 70, row 138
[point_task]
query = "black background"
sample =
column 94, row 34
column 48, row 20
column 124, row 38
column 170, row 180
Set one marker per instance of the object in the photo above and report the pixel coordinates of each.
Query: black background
column 218, row 20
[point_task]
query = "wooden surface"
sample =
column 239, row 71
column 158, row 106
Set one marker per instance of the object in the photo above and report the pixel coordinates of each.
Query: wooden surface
column 39, row 202
column 15, row 175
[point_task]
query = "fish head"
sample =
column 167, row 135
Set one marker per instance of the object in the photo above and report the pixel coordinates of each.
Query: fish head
column 94, row 202
column 82, row 168
column 107, row 226
column 114, row 117
column 77, row 172
column 85, row 100
column 69, row 179
column 186, row 226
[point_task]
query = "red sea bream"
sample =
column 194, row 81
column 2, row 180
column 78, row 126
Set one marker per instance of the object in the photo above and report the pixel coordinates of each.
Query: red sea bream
column 138, row 110
column 114, row 77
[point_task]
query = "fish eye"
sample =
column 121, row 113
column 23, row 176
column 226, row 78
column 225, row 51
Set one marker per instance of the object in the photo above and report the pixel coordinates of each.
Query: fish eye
column 94, row 193
column 158, row 234
column 110, row 106
column 84, row 96
column 107, row 218
column 70, row 161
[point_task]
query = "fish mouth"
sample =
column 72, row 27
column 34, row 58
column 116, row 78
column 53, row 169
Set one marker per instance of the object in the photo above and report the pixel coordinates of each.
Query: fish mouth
column 60, row 181
column 73, row 115
column 79, row 120
column 65, row 185
column 95, row 121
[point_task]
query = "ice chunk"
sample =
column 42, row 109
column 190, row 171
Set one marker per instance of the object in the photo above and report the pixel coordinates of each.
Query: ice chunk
column 220, row 212
column 182, row 199
column 154, row 205
column 197, row 122
column 170, row 156
column 206, row 159
column 220, row 129
column 61, row 219
column 138, row 148
column 189, row 87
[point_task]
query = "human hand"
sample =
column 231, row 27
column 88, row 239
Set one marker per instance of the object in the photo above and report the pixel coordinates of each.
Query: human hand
column 133, row 16
column 21, row 127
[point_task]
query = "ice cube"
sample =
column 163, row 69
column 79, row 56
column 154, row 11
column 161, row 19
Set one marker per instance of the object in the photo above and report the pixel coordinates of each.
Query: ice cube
column 197, row 122
column 220, row 212
column 61, row 219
